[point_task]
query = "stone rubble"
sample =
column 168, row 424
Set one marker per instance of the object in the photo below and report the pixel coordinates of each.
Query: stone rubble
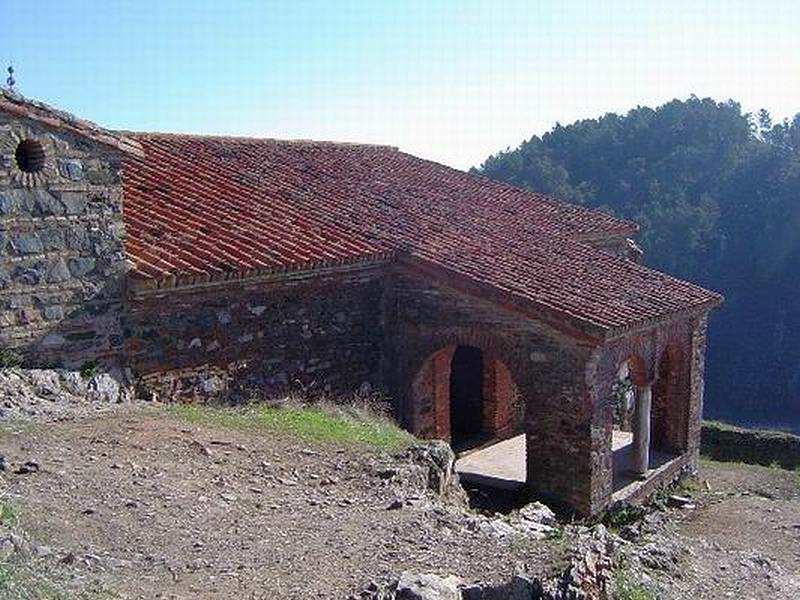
column 424, row 469
column 57, row 393
column 588, row 576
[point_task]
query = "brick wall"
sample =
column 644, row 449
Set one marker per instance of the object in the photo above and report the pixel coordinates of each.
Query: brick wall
column 320, row 331
column 547, row 369
column 62, row 263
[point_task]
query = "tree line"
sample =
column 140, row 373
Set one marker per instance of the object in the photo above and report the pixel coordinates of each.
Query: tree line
column 717, row 194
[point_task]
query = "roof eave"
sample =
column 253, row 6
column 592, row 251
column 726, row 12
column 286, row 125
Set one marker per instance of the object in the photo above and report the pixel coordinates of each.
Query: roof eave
column 575, row 326
column 688, row 312
column 141, row 284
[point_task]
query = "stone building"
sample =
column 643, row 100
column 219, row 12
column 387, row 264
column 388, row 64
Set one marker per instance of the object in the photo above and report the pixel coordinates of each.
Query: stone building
column 230, row 264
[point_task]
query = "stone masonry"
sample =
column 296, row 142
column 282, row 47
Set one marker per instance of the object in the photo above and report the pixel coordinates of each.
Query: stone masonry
column 62, row 262
column 322, row 333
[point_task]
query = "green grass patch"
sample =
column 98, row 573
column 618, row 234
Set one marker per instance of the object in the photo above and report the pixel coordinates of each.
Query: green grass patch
column 19, row 426
column 778, row 434
column 627, row 589
column 320, row 424
column 8, row 514
column 19, row 581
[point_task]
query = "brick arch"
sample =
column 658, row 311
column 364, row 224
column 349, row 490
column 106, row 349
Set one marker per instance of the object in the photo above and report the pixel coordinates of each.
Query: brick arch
column 429, row 390
column 671, row 401
column 604, row 372
column 637, row 369
column 488, row 343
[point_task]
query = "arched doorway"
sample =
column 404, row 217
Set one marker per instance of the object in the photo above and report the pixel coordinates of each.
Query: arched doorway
column 670, row 406
column 466, row 395
column 462, row 393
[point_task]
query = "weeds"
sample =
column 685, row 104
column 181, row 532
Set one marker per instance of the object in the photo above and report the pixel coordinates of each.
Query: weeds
column 88, row 369
column 8, row 514
column 556, row 534
column 617, row 518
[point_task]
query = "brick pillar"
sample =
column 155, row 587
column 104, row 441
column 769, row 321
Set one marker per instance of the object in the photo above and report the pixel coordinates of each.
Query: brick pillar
column 560, row 440
column 491, row 406
column 430, row 396
column 441, row 393
column 499, row 394
column 697, row 384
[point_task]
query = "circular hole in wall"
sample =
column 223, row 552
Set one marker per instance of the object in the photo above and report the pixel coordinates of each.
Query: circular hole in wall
column 30, row 156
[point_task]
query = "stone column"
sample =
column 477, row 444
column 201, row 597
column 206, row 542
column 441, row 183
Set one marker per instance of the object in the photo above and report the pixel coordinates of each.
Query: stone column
column 641, row 430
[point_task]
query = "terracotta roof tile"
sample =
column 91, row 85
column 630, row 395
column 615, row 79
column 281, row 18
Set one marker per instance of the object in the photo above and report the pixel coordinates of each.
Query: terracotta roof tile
column 198, row 206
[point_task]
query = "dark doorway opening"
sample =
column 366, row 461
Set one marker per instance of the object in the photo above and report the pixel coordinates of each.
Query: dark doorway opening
column 466, row 397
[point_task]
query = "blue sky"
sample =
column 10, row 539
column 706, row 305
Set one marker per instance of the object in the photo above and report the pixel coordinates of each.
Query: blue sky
column 449, row 80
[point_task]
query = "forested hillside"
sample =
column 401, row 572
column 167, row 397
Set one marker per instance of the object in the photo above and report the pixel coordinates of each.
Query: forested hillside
column 717, row 193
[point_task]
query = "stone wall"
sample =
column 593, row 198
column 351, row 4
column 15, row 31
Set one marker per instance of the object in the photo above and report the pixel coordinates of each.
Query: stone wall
column 62, row 262
column 319, row 331
column 728, row 443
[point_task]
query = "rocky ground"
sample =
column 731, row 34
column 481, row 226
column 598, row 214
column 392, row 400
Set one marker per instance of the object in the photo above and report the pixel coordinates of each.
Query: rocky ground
column 740, row 537
column 149, row 506
column 141, row 503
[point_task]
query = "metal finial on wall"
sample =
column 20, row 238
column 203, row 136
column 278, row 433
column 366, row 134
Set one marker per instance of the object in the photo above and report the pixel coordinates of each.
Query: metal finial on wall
column 10, row 81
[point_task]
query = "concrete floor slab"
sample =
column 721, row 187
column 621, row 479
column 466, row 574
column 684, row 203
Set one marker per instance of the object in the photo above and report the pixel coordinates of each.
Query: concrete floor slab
column 502, row 465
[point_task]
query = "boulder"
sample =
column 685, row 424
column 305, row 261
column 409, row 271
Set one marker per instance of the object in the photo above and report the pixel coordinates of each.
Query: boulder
column 413, row 586
column 428, row 467
column 519, row 588
column 537, row 512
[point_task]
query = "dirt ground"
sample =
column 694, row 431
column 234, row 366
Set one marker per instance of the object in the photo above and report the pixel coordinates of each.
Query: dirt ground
column 149, row 506
column 146, row 505
column 742, row 540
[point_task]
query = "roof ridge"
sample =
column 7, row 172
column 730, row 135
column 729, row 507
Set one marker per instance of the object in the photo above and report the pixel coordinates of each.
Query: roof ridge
column 250, row 138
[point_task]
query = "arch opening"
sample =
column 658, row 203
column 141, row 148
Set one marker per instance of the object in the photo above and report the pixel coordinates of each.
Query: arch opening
column 466, row 396
column 628, row 400
column 670, row 417
column 650, row 420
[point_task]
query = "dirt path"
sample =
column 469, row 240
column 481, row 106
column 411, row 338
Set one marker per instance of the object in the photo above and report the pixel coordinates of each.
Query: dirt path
column 152, row 507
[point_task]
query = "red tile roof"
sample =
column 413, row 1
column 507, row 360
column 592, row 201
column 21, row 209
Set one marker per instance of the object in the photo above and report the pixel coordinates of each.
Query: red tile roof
column 198, row 208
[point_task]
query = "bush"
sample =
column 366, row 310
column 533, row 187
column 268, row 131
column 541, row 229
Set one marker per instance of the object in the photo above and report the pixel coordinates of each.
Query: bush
column 88, row 370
